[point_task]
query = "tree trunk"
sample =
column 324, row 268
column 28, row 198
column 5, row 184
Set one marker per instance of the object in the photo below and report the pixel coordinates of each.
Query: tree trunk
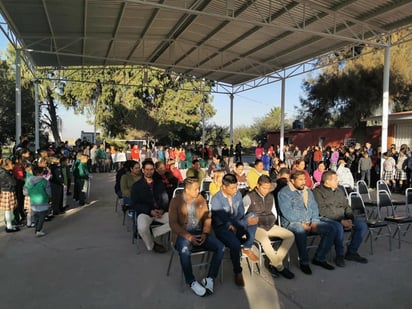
column 51, row 108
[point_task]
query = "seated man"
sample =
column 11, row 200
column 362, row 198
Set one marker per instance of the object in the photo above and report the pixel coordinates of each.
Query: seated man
column 262, row 203
column 334, row 209
column 150, row 201
column 254, row 173
column 196, row 171
column 190, row 223
column 300, row 215
column 231, row 225
column 166, row 176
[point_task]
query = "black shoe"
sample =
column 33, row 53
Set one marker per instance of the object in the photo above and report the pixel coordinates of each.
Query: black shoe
column 273, row 271
column 12, row 230
column 286, row 273
column 305, row 269
column 340, row 261
column 356, row 258
column 159, row 248
column 323, row 264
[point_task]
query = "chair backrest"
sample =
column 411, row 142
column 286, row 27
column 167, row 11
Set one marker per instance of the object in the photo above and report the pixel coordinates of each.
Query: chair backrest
column 178, row 191
column 384, row 201
column 382, row 185
column 345, row 190
column 204, row 186
column 408, row 199
column 408, row 196
column 357, row 205
column 362, row 187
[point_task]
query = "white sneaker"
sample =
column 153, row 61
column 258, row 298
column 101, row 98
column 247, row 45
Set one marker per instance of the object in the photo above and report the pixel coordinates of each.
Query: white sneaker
column 198, row 289
column 40, row 233
column 208, row 284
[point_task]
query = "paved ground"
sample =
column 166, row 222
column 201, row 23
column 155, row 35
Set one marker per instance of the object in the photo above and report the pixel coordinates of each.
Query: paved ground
column 87, row 261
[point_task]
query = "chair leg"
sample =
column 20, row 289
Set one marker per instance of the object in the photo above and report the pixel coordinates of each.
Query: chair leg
column 170, row 262
column 124, row 217
column 390, row 238
column 370, row 235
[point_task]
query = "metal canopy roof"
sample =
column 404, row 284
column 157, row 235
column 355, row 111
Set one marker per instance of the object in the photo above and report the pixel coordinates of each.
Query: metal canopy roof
column 230, row 41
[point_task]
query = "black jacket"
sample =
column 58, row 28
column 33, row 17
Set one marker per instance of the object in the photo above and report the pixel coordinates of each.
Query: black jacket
column 332, row 204
column 144, row 200
column 7, row 181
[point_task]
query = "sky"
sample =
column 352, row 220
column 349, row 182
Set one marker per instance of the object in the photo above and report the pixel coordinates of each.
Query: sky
column 247, row 106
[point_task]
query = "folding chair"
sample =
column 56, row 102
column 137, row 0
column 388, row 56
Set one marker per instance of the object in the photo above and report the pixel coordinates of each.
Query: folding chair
column 178, row 190
column 382, row 185
column 196, row 252
column 204, row 186
column 117, row 202
column 345, row 190
column 363, row 190
column 359, row 210
column 275, row 242
column 134, row 229
column 395, row 217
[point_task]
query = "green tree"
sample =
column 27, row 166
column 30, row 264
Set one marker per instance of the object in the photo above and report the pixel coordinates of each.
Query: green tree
column 270, row 122
column 8, row 105
column 345, row 93
column 151, row 101
column 217, row 135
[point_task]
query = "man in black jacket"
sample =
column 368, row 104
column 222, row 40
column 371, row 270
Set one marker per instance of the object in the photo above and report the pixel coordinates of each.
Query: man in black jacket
column 334, row 209
column 151, row 202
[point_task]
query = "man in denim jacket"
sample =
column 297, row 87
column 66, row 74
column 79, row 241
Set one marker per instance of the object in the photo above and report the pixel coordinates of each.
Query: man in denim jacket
column 230, row 223
column 300, row 215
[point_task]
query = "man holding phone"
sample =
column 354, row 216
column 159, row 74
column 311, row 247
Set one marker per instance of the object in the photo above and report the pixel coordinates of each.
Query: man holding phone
column 190, row 222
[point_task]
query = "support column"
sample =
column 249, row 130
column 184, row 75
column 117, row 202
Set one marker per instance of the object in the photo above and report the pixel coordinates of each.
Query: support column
column 282, row 120
column 385, row 102
column 18, row 96
column 36, row 116
column 203, row 121
column 231, row 118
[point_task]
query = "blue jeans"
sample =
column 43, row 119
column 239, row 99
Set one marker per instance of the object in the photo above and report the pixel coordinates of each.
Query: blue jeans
column 250, row 232
column 359, row 230
column 185, row 247
column 232, row 241
column 326, row 231
column 39, row 217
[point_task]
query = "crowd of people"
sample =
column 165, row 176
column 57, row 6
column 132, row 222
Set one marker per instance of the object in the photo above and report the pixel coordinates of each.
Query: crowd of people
column 288, row 199
column 35, row 187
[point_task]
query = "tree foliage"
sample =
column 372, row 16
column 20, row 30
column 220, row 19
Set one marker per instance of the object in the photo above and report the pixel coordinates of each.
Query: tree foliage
column 8, row 105
column 129, row 100
column 270, row 122
column 344, row 94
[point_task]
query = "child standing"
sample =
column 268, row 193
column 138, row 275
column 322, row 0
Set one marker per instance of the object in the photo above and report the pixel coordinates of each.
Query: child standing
column 7, row 195
column 38, row 189
column 81, row 178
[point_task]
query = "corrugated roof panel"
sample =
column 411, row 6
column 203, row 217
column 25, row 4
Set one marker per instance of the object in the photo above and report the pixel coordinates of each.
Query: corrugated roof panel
column 235, row 42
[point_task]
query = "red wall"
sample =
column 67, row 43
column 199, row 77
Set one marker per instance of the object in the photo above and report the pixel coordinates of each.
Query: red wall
column 333, row 136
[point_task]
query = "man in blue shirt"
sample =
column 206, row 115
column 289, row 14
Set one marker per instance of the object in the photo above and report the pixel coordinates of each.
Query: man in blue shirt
column 230, row 224
column 300, row 215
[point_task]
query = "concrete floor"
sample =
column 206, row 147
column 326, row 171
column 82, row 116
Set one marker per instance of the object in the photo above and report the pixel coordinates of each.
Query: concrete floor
column 87, row 261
